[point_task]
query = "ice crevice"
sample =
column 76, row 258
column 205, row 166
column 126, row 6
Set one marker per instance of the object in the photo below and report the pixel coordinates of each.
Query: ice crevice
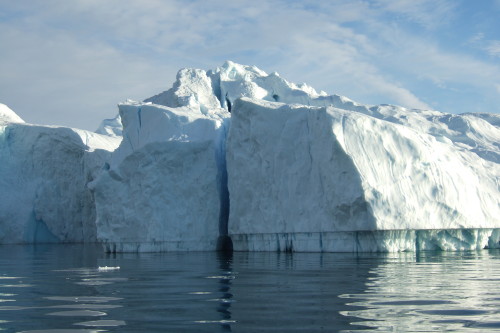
column 224, row 242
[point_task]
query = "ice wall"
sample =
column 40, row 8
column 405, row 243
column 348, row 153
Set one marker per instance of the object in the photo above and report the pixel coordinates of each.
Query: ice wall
column 326, row 177
column 161, row 191
column 43, row 193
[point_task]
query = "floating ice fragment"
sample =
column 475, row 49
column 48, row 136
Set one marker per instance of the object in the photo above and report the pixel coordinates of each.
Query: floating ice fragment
column 102, row 323
column 108, row 268
column 78, row 313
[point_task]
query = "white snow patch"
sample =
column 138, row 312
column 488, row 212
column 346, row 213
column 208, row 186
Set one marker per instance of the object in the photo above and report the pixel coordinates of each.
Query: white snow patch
column 8, row 116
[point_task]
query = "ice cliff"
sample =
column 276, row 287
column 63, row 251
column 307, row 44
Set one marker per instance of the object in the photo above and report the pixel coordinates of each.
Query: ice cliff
column 329, row 179
column 276, row 166
column 43, row 188
column 161, row 189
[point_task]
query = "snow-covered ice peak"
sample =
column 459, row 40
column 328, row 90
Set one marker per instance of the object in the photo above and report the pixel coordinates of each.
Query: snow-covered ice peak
column 232, row 71
column 193, row 88
column 8, row 116
column 213, row 91
column 238, row 81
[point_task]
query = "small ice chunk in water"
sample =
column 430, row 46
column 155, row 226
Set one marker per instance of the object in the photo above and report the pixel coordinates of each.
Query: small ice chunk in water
column 103, row 323
column 108, row 268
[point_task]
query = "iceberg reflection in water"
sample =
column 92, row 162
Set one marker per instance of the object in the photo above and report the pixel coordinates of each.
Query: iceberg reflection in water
column 59, row 288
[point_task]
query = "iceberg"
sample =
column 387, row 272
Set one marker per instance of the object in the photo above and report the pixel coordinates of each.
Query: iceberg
column 238, row 158
column 45, row 170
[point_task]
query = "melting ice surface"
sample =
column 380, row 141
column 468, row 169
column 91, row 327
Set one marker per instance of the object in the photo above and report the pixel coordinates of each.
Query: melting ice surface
column 275, row 165
column 59, row 288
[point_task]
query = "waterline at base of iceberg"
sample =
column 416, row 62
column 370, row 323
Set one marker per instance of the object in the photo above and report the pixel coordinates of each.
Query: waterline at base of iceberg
column 160, row 246
column 370, row 241
column 340, row 241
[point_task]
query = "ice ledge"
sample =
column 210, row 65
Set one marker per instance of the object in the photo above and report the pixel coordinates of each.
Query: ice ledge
column 370, row 241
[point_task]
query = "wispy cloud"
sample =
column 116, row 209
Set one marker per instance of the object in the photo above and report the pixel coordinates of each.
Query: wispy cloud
column 493, row 48
column 72, row 61
column 427, row 13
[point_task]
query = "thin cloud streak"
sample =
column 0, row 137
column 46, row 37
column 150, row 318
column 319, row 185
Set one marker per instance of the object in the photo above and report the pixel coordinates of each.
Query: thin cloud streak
column 71, row 62
column 493, row 48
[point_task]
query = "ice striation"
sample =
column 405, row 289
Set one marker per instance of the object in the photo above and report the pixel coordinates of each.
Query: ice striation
column 274, row 166
column 328, row 179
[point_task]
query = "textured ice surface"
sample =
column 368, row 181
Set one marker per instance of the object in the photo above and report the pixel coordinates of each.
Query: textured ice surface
column 308, row 169
column 312, row 172
column 43, row 192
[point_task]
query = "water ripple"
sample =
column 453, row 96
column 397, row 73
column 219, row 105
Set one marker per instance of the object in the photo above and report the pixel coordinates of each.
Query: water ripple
column 248, row 292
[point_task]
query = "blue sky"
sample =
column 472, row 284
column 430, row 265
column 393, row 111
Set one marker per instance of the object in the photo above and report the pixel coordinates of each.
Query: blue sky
column 70, row 62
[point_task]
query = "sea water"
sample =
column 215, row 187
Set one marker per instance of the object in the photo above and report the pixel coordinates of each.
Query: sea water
column 76, row 288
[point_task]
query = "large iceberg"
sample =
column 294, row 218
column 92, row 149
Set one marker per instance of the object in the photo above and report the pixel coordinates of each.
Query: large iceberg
column 236, row 153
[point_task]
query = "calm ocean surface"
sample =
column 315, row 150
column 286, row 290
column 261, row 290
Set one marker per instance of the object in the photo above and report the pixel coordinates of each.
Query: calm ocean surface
column 60, row 288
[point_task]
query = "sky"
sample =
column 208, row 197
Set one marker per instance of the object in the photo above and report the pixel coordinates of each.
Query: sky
column 71, row 62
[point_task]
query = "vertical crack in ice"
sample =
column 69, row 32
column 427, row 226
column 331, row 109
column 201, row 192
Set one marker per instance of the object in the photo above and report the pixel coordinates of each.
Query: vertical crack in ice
column 224, row 242
column 139, row 115
column 228, row 103
column 309, row 143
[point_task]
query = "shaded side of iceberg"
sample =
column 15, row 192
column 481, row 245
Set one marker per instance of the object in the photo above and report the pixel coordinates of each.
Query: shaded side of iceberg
column 43, row 188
